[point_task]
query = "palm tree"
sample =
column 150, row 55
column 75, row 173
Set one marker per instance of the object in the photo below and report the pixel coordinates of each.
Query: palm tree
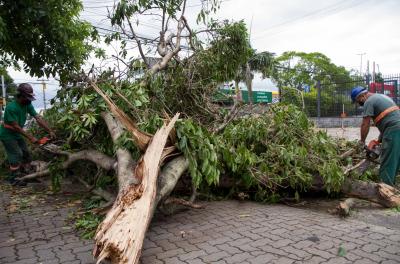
column 263, row 63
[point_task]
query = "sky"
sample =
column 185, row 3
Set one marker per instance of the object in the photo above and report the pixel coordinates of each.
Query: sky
column 341, row 29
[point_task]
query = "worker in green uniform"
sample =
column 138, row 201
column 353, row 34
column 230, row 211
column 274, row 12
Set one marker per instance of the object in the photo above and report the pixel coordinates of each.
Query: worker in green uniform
column 386, row 116
column 12, row 133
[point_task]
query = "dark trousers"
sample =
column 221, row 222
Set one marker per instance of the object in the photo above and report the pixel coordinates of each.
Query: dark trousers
column 17, row 153
column 390, row 157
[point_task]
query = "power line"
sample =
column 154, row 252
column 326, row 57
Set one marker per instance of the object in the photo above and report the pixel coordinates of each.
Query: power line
column 222, row 1
column 329, row 10
column 107, row 6
column 153, row 26
column 95, row 7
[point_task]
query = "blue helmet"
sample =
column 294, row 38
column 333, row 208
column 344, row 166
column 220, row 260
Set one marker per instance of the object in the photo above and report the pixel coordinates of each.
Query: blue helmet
column 356, row 91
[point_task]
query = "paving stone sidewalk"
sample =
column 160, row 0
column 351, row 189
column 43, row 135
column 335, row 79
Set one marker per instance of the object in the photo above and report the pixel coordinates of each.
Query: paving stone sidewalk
column 223, row 232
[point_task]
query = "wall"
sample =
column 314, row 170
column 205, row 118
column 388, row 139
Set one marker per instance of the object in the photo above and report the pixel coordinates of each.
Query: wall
column 325, row 122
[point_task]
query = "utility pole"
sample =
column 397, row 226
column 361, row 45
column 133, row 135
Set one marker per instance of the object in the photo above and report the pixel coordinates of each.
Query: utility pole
column 361, row 56
column 44, row 93
column 251, row 26
column 319, row 99
column 4, row 90
column 373, row 72
column 3, row 103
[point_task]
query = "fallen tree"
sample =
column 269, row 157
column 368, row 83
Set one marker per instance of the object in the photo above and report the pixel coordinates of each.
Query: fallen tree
column 123, row 125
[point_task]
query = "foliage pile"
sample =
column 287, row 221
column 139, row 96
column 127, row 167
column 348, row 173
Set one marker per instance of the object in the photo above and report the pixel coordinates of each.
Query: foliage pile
column 268, row 153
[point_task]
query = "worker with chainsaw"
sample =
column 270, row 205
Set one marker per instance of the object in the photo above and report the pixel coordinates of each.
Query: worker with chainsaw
column 386, row 116
column 12, row 132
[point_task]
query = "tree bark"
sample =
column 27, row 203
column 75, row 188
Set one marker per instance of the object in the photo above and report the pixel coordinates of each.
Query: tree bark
column 94, row 156
column 249, row 83
column 126, row 164
column 169, row 177
column 380, row 193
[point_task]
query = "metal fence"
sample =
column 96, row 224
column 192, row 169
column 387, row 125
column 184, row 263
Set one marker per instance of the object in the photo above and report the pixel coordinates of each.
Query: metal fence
column 330, row 105
column 333, row 99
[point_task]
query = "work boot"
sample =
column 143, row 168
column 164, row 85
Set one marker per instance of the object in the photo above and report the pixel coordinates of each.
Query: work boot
column 33, row 180
column 12, row 178
column 18, row 183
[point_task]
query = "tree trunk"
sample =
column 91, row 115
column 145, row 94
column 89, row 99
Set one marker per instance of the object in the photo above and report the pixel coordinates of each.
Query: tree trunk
column 249, row 83
column 380, row 193
column 120, row 236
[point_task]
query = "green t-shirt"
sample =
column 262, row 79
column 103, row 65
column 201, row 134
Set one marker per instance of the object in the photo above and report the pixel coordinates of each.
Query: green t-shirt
column 15, row 113
column 376, row 104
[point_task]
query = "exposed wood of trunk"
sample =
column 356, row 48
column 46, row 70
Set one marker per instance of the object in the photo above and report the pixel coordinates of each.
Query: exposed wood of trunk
column 120, row 236
column 344, row 207
column 380, row 193
column 94, row 156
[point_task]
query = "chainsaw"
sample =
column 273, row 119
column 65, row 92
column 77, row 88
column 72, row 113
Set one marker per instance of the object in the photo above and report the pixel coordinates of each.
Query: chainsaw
column 373, row 150
column 43, row 141
column 46, row 143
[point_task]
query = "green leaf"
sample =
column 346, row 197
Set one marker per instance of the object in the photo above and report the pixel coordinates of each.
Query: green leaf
column 341, row 251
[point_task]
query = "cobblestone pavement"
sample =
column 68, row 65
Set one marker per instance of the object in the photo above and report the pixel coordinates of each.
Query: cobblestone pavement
column 223, row 232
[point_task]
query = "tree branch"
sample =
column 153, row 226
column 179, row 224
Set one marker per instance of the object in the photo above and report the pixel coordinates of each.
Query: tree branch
column 190, row 33
column 139, row 44
column 228, row 118
column 167, row 58
column 94, row 156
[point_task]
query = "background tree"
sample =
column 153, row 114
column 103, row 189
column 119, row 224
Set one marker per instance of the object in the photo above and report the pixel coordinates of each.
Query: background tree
column 9, row 82
column 299, row 69
column 45, row 35
column 262, row 62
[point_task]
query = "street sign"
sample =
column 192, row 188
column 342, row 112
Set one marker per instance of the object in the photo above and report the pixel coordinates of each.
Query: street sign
column 258, row 97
